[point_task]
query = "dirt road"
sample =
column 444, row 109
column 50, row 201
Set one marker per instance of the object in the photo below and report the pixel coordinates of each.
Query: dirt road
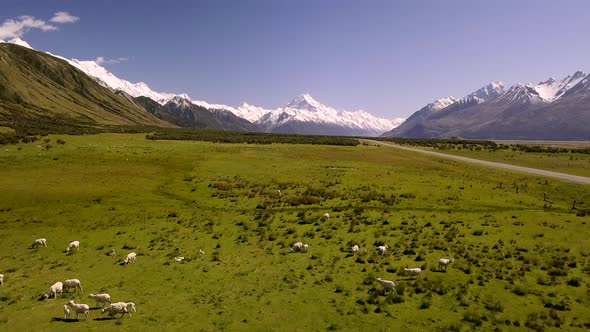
column 534, row 171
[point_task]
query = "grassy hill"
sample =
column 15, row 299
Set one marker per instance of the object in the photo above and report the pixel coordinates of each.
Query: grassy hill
column 40, row 91
column 521, row 258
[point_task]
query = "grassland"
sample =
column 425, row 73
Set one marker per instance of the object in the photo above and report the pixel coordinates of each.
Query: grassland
column 569, row 163
column 522, row 258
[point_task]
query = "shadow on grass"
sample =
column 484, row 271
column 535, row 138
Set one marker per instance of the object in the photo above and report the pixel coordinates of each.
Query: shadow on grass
column 64, row 320
column 105, row 318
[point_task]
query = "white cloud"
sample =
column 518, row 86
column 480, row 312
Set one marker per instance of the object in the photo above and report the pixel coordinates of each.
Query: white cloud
column 64, row 17
column 16, row 28
column 103, row 61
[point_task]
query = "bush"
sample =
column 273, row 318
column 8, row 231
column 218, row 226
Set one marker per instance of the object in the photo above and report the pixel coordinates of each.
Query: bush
column 575, row 282
column 473, row 318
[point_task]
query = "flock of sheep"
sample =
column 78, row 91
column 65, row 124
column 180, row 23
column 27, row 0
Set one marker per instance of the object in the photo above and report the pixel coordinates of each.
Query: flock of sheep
column 125, row 307
column 81, row 308
column 388, row 285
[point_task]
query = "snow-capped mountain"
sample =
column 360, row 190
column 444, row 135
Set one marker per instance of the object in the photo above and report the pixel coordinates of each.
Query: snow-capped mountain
column 552, row 89
column 17, row 41
column 552, row 109
column 306, row 115
column 485, row 93
column 302, row 110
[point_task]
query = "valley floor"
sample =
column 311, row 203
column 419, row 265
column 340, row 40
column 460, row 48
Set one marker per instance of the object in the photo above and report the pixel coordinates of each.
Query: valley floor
column 522, row 260
column 524, row 162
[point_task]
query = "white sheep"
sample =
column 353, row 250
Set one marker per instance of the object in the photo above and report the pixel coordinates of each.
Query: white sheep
column 326, row 216
column 1, row 280
column 130, row 258
column 297, row 246
column 355, row 249
column 443, row 263
column 72, row 283
column 73, row 245
column 112, row 252
column 66, row 312
column 116, row 308
column 382, row 249
column 39, row 243
column 416, row 271
column 201, row 252
column 130, row 306
column 100, row 298
column 179, row 258
column 388, row 285
column 80, row 308
column 280, row 193
column 54, row 290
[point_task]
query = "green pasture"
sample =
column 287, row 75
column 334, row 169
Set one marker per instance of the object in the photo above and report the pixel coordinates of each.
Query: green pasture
column 522, row 254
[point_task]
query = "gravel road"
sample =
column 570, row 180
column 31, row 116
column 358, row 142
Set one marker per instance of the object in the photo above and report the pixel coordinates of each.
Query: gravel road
column 534, row 171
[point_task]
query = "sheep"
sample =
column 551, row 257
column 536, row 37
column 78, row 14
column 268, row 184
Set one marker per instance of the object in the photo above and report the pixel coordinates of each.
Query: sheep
column 388, row 285
column 326, row 216
column 39, row 243
column 305, row 247
column 443, row 263
column 382, row 249
column 179, row 259
column 66, row 312
column 100, row 298
column 130, row 258
column 413, row 271
column 280, row 193
column 297, row 246
column 116, row 308
column 201, row 252
column 1, row 280
column 355, row 249
column 73, row 245
column 80, row 308
column 112, row 252
column 130, row 306
column 75, row 283
column 55, row 289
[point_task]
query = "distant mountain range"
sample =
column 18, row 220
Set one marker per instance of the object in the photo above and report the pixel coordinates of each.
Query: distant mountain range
column 36, row 87
column 303, row 115
column 556, row 109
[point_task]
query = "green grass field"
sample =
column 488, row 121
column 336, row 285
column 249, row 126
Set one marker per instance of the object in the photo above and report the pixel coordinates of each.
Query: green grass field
column 521, row 262
column 569, row 163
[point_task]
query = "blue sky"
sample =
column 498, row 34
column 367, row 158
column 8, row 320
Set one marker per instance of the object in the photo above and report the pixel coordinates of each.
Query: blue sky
column 387, row 57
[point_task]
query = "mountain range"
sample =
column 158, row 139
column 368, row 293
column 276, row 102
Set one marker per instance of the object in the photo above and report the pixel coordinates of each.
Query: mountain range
column 39, row 88
column 555, row 109
column 303, row 115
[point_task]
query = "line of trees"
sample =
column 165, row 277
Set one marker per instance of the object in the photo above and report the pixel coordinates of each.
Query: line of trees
column 480, row 145
column 219, row 136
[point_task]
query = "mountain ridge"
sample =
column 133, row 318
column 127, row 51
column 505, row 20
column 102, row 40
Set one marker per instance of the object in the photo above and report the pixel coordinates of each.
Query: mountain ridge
column 359, row 122
column 551, row 109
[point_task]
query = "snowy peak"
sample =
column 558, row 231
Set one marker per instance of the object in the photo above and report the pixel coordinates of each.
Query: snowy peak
column 520, row 94
column 553, row 89
column 17, row 41
column 305, row 102
column 182, row 101
column 305, row 111
column 439, row 104
column 487, row 92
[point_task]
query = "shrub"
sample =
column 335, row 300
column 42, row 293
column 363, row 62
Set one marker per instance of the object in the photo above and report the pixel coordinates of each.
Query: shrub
column 473, row 318
column 575, row 282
